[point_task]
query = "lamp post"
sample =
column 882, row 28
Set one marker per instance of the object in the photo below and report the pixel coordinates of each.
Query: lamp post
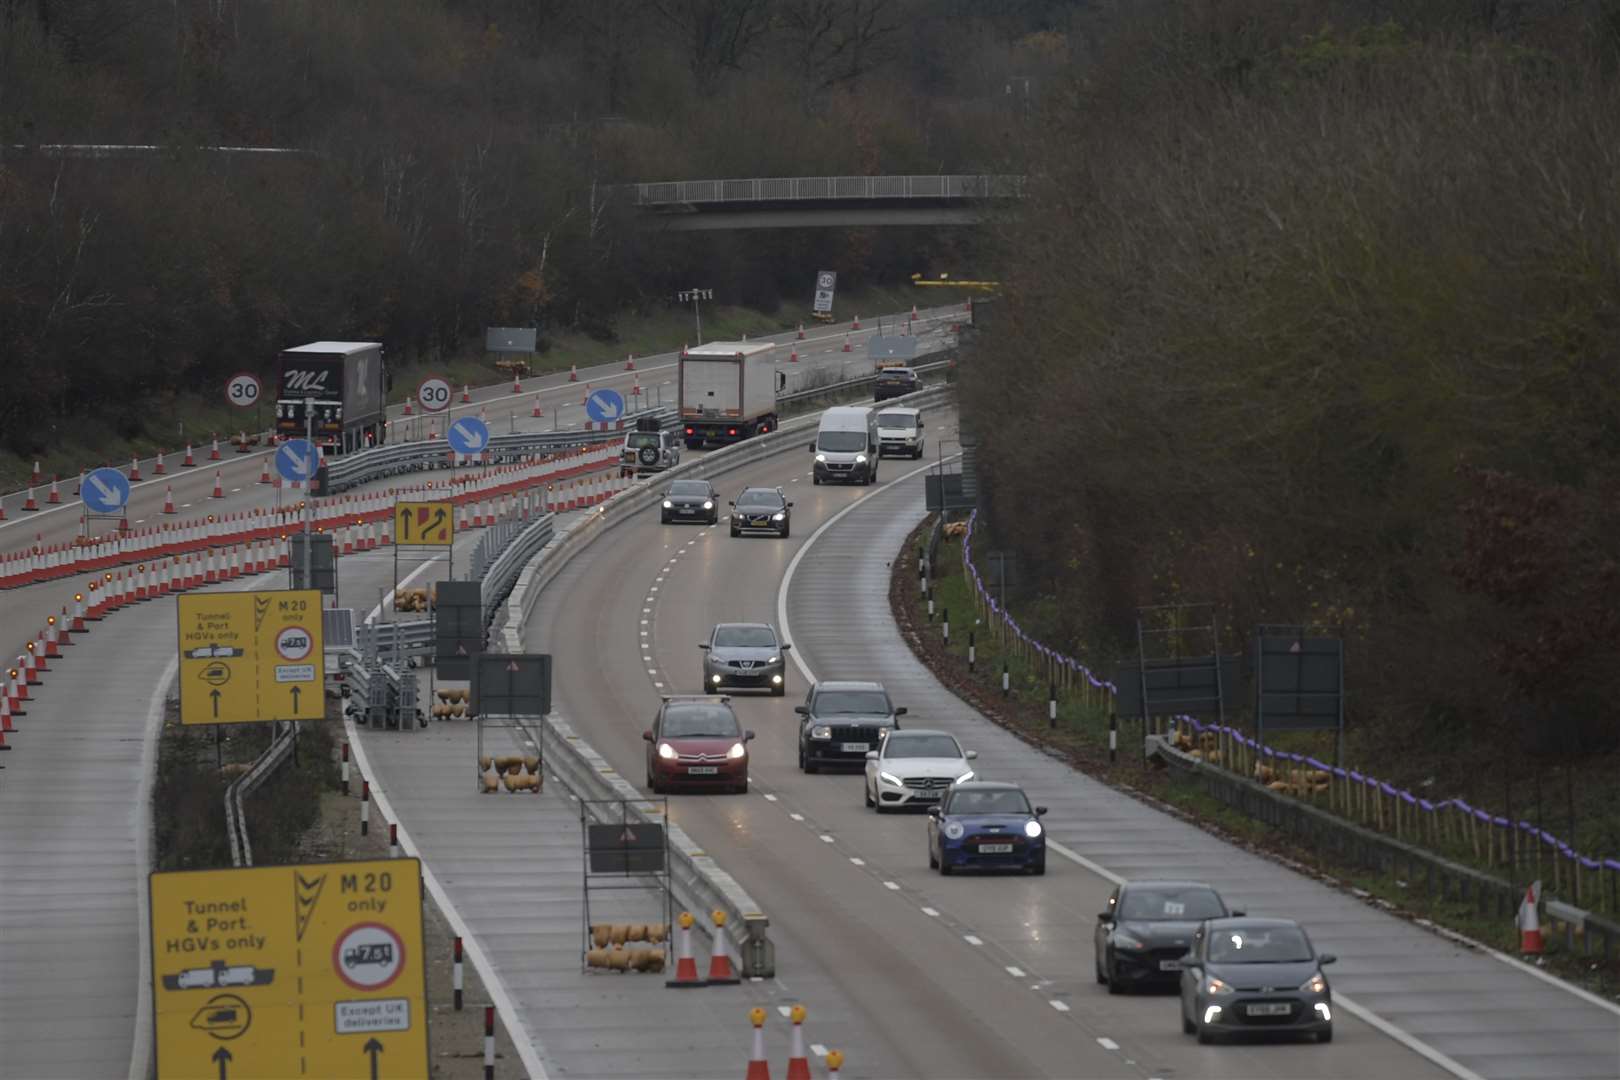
column 694, row 295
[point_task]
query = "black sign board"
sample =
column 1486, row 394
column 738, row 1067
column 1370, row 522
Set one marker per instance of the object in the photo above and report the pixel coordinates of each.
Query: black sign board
column 322, row 562
column 1191, row 685
column 1300, row 683
column 626, row 848
column 458, row 619
column 953, row 498
column 511, row 684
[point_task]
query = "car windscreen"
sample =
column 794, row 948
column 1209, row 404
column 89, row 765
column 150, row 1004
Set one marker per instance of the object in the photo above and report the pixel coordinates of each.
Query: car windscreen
column 841, row 442
column 1264, row 945
column 744, row 637
column 1188, row 905
column 852, row 703
column 640, row 439
column 988, row 802
column 696, row 721
column 764, row 500
column 897, row 420
column 915, row 746
column 689, row 487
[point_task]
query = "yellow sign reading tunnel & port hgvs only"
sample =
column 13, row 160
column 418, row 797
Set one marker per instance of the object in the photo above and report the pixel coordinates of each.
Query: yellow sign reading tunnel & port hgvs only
column 251, row 656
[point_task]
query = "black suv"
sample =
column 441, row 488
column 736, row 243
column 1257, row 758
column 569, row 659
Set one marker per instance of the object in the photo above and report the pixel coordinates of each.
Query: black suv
column 761, row 509
column 841, row 721
column 894, row 382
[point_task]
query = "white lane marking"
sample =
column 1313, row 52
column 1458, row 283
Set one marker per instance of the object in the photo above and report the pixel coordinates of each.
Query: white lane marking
column 891, row 885
column 798, row 556
column 1060, row 1006
column 140, row 521
column 818, row 1050
column 796, row 817
column 1361, row 1012
column 825, row 839
column 770, row 798
column 930, row 912
column 1102, row 1040
column 516, row 1025
column 185, row 506
column 1015, row 972
column 644, row 611
column 660, row 686
column 858, row 861
column 235, row 490
column 785, row 1010
column 971, row 940
column 644, row 622
column 652, row 671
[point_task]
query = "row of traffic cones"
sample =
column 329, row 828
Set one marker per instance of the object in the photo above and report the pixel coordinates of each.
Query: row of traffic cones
column 798, row 1067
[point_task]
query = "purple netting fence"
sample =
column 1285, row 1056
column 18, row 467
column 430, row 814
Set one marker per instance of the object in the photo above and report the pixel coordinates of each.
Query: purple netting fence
column 1420, row 812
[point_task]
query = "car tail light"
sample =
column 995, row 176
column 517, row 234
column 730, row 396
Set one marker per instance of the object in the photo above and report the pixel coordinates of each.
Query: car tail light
column 691, row 431
column 731, row 431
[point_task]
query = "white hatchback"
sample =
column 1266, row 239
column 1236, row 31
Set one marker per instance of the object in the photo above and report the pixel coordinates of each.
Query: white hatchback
column 914, row 768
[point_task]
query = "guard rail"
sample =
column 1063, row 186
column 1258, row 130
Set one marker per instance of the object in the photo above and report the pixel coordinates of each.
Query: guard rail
column 280, row 748
column 396, row 640
column 511, row 553
column 842, row 387
column 587, row 773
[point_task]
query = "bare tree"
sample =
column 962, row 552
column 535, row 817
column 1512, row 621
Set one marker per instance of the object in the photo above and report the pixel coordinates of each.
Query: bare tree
column 717, row 35
column 837, row 41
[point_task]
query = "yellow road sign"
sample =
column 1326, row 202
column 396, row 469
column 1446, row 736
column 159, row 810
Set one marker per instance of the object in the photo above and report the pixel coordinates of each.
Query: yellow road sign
column 251, row 656
column 430, row 524
column 281, row 972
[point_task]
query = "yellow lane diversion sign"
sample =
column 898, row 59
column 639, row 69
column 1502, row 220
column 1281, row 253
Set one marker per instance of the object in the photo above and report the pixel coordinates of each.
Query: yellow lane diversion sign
column 429, row 524
column 251, row 656
column 290, row 971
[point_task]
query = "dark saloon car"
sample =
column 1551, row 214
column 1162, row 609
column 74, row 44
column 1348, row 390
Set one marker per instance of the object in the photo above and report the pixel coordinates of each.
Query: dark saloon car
column 696, row 743
column 841, row 721
column 690, row 500
column 985, row 825
column 745, row 654
column 761, row 509
column 1255, row 975
column 1148, row 928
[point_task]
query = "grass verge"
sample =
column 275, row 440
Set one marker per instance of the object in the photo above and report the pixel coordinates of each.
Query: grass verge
column 1080, row 736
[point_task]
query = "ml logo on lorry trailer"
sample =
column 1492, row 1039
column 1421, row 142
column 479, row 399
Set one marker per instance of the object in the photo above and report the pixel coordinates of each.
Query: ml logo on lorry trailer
column 305, row 381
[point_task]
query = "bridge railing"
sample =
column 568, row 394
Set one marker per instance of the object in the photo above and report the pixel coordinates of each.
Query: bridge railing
column 828, row 188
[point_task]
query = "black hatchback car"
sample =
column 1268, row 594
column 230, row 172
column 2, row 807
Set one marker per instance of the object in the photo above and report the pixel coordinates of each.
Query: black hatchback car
column 761, row 509
column 690, row 500
column 894, row 382
column 1253, row 976
column 1148, row 928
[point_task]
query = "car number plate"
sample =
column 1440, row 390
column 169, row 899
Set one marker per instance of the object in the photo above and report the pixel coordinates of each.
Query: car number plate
column 1169, row 965
column 854, row 747
column 1278, row 1009
column 996, row 849
column 925, row 796
column 760, row 523
column 702, row 770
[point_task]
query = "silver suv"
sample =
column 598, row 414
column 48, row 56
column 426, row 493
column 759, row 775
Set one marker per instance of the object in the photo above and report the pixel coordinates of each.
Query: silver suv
column 648, row 449
column 744, row 654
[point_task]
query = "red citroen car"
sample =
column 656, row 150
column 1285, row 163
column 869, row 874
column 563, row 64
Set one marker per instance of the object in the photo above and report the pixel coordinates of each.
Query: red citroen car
column 697, row 744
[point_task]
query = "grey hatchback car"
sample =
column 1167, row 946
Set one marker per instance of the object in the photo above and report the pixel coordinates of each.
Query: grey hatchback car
column 744, row 655
column 1254, row 975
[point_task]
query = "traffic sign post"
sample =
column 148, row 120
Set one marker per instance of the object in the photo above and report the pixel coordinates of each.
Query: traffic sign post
column 826, row 282
column 244, row 391
column 433, row 394
column 251, row 657
column 104, row 493
column 604, row 406
column 468, row 436
column 425, row 524
column 297, row 461
column 307, row 970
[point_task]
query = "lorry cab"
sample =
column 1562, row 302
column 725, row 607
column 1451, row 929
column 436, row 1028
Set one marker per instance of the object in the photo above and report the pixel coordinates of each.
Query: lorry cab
column 846, row 446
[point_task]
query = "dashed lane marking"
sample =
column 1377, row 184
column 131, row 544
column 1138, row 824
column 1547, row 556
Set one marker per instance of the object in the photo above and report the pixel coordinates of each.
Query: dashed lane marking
column 1102, row 1040
column 972, row 940
column 1015, row 972
column 1061, row 1006
column 930, row 912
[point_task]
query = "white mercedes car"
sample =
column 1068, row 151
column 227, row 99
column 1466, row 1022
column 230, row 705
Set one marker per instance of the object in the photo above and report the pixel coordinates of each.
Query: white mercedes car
column 914, row 767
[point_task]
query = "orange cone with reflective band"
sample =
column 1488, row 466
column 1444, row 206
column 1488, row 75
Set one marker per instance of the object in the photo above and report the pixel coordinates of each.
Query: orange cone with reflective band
column 856, row 325
column 573, row 373
column 1530, row 943
column 798, row 1064
column 758, row 1067
column 801, row 332
column 56, row 492
column 168, row 499
column 219, row 486
column 466, row 394
column 720, row 972
column 846, row 343
column 630, row 362
column 190, row 461
column 264, row 473
column 686, row 972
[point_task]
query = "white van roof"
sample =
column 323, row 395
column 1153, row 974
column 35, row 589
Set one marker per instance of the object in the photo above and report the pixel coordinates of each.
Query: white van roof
column 729, row 349
column 847, row 412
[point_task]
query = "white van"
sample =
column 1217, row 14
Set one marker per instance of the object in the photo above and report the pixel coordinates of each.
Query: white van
column 846, row 446
column 900, row 432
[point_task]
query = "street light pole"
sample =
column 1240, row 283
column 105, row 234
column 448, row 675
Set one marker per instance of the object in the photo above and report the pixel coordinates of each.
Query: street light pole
column 695, row 295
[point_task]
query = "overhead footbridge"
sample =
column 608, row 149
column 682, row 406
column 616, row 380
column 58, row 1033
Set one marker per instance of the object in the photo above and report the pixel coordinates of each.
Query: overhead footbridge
column 796, row 202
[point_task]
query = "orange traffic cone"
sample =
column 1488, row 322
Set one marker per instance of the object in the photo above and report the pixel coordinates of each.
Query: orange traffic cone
column 758, row 1067
column 1530, row 943
column 408, row 410
column 686, row 973
column 801, row 331
column 846, row 343
column 793, row 357
column 573, row 373
column 56, row 493
column 630, row 362
column 586, row 399
column 798, row 1064
column 466, row 394
column 264, row 473
column 190, row 461
column 536, row 410
column 168, row 499
column 37, row 478
column 219, row 486
column 913, row 313
column 720, row 973
column 213, row 455
column 517, row 387
column 856, row 325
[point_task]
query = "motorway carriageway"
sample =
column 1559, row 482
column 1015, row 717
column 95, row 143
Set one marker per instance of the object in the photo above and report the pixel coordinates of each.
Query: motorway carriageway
column 910, row 974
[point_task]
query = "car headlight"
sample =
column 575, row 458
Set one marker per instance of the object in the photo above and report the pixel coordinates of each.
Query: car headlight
column 773, row 659
column 911, row 438
column 708, row 504
column 821, row 731
column 1032, row 829
column 666, row 751
column 737, row 750
column 1212, row 985
column 860, row 459
column 821, row 459
column 891, row 779
column 668, row 505
column 715, row 679
column 954, row 830
column 1122, row 940
column 776, row 678
column 1316, row 984
column 778, row 516
column 964, row 777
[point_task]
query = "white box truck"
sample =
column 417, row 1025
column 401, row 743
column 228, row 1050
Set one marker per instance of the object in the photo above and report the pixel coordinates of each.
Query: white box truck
column 728, row 391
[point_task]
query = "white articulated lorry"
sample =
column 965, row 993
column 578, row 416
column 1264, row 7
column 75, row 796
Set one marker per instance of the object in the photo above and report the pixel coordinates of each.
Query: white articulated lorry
column 728, row 391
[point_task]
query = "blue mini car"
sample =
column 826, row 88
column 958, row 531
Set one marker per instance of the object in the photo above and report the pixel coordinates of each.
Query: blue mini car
column 982, row 824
